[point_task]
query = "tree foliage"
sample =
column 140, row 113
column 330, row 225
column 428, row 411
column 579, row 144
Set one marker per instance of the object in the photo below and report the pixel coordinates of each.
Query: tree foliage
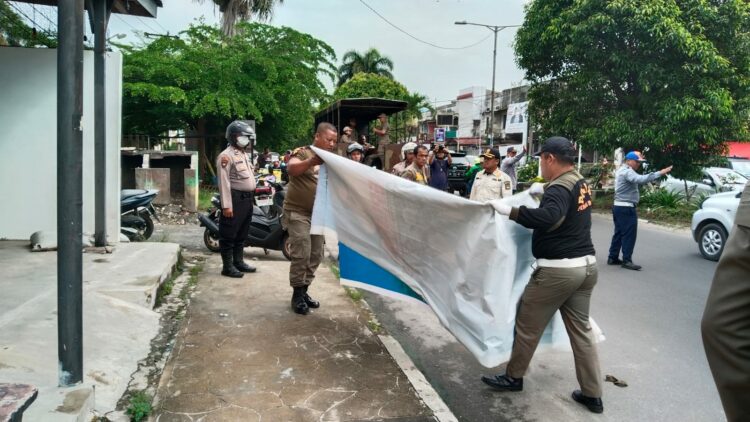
column 204, row 81
column 369, row 62
column 15, row 33
column 670, row 75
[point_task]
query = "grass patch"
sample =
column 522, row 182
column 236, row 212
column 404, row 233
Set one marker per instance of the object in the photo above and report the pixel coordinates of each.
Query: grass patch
column 139, row 407
column 192, row 280
column 204, row 198
column 335, row 270
column 375, row 326
column 353, row 293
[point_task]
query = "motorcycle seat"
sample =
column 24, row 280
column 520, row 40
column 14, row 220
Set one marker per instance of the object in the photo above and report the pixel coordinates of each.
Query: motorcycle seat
column 129, row 193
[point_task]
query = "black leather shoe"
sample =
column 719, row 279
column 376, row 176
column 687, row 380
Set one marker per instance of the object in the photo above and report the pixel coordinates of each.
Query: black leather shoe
column 298, row 301
column 239, row 261
column 228, row 268
column 615, row 261
column 312, row 303
column 628, row 265
column 504, row 382
column 594, row 404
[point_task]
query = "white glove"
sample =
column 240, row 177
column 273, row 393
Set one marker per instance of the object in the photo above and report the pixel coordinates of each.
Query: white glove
column 501, row 207
column 536, row 189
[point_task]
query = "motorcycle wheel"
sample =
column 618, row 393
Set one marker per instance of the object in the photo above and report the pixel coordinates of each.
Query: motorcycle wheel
column 211, row 241
column 149, row 226
column 286, row 247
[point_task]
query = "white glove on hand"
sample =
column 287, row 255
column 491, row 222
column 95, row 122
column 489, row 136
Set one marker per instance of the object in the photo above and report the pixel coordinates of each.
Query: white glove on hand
column 536, row 189
column 501, row 207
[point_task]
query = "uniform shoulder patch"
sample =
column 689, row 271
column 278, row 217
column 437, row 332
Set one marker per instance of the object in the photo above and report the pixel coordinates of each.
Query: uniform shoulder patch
column 224, row 160
column 507, row 185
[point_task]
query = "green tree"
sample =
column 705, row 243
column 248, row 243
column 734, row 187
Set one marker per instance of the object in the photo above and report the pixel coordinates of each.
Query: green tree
column 15, row 33
column 669, row 75
column 363, row 85
column 203, row 81
column 235, row 11
column 369, row 62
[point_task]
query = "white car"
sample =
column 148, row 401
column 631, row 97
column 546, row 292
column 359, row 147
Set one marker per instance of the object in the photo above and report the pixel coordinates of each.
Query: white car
column 713, row 221
column 740, row 165
column 714, row 180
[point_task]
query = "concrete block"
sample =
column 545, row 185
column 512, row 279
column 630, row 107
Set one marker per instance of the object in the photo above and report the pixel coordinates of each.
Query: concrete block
column 156, row 178
column 191, row 190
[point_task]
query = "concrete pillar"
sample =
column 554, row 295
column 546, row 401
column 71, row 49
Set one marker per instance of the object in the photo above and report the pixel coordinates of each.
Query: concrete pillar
column 157, row 178
column 191, row 190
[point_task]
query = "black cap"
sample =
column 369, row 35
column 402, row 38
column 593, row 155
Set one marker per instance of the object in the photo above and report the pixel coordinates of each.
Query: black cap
column 559, row 146
column 491, row 153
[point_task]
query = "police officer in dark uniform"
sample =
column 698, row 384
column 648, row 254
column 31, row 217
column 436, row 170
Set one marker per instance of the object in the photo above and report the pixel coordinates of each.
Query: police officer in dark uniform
column 236, row 187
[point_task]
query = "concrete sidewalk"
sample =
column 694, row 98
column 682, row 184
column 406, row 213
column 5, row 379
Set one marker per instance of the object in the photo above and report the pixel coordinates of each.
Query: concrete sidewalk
column 118, row 323
column 243, row 355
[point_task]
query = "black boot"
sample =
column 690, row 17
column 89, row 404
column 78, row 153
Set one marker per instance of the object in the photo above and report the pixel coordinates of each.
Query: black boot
column 298, row 301
column 594, row 404
column 312, row 303
column 504, row 382
column 239, row 261
column 229, row 270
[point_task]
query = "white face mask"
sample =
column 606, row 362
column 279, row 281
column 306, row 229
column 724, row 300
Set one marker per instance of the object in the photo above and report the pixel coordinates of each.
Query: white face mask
column 243, row 141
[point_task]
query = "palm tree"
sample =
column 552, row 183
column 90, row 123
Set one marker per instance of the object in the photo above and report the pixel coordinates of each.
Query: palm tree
column 370, row 62
column 233, row 11
column 416, row 102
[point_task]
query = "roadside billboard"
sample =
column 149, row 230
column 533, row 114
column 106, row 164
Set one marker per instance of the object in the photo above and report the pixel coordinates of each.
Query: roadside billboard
column 517, row 117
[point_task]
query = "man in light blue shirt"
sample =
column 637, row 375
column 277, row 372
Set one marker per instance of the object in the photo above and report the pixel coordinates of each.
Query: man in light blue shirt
column 624, row 212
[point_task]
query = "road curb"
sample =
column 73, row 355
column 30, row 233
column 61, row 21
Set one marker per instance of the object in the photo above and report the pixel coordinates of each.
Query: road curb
column 428, row 394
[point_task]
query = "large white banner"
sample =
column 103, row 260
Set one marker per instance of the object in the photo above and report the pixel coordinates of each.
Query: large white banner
column 516, row 121
column 460, row 257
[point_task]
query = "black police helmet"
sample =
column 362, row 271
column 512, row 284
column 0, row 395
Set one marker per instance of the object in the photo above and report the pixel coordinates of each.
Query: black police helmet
column 239, row 128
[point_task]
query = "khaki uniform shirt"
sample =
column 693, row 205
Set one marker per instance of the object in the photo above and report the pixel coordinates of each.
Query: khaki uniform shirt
column 234, row 173
column 415, row 174
column 399, row 168
column 300, row 196
column 487, row 187
column 347, row 139
column 383, row 140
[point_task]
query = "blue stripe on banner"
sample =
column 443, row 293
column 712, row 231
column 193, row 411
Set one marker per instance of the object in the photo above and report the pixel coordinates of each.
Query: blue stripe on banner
column 354, row 266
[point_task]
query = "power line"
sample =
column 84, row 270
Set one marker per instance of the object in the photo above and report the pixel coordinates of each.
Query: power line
column 146, row 24
column 418, row 39
column 161, row 26
column 31, row 20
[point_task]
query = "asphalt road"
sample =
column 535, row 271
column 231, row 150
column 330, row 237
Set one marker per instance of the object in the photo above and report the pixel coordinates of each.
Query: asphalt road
column 652, row 322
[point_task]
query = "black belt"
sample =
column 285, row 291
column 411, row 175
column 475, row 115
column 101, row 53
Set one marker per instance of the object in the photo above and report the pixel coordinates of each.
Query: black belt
column 242, row 194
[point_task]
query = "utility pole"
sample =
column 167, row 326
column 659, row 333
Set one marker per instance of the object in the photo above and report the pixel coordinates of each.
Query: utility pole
column 495, row 29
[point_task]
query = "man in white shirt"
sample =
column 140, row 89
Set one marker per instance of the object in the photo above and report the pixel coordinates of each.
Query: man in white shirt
column 491, row 183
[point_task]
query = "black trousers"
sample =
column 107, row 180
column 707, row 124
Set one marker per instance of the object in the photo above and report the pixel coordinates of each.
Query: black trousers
column 233, row 231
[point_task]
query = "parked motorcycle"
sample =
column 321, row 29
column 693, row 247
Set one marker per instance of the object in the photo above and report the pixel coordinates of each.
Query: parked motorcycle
column 137, row 211
column 265, row 228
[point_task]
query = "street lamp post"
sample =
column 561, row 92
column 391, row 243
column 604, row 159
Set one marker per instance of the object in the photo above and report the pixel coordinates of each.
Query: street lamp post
column 495, row 29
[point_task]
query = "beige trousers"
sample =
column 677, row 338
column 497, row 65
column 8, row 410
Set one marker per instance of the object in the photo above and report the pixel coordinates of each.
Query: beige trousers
column 726, row 319
column 306, row 249
column 569, row 290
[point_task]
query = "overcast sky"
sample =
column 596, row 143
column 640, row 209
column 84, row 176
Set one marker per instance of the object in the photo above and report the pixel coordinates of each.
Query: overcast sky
column 349, row 24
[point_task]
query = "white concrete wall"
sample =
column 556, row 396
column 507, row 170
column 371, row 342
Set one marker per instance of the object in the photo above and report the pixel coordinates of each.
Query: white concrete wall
column 28, row 135
column 469, row 109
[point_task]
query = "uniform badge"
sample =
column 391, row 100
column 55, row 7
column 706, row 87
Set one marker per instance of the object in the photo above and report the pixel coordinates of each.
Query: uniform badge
column 507, row 185
column 224, row 161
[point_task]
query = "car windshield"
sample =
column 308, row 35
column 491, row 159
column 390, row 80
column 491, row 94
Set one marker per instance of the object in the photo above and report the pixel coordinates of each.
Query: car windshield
column 742, row 167
column 467, row 160
column 728, row 176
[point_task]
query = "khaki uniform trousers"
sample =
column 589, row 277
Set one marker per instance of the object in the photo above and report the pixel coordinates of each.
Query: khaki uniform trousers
column 569, row 290
column 306, row 249
column 726, row 319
